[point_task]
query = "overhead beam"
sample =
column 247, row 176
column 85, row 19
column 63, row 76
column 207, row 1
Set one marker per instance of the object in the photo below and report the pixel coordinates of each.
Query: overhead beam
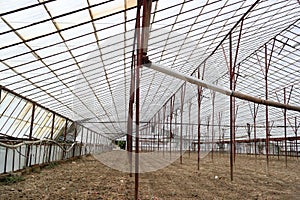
column 239, row 95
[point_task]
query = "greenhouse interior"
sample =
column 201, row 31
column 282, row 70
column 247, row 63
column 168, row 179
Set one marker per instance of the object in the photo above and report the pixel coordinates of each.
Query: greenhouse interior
column 150, row 99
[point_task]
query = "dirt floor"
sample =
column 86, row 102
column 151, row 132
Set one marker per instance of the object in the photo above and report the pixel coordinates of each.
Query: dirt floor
column 87, row 178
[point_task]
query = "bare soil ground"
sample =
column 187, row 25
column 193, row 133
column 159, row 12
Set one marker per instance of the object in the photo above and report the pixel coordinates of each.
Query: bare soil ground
column 87, row 178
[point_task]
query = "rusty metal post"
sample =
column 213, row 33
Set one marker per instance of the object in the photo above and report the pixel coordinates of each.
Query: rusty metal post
column 234, row 118
column 277, row 150
column 142, row 41
column 65, row 136
column 219, row 126
column 86, row 141
column 150, row 131
column 81, row 144
column 231, row 107
column 199, row 120
column 234, row 79
column 212, row 129
column 172, row 100
column 285, row 140
column 200, row 91
column 28, row 157
column 130, row 116
column 181, row 120
column 296, row 131
column 164, row 118
column 190, row 107
column 267, row 66
column 75, row 135
column 51, row 136
column 158, row 130
column 207, row 142
column 137, row 101
column 90, row 142
column 254, row 124
column 131, row 100
column 267, row 109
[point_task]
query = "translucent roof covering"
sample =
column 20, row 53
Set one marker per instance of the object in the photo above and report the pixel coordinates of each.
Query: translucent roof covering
column 74, row 57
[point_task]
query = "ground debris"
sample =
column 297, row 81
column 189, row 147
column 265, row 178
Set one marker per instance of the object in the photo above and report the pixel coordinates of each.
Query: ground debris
column 89, row 179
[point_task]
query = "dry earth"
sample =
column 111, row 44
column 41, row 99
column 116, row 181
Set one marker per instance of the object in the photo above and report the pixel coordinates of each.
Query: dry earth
column 87, row 178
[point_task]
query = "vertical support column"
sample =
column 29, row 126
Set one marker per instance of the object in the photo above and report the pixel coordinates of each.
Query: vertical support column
column 255, row 108
column 94, row 142
column 219, row 126
column 131, row 102
column 86, row 141
column 51, row 136
column 152, row 132
column 175, row 127
column 164, row 119
column 158, row 130
column 213, row 121
column 285, row 141
column 74, row 141
column 278, row 150
column 13, row 160
column 200, row 91
column 91, row 140
column 142, row 43
column 137, row 102
column 65, row 136
column 81, row 144
column 130, row 123
column 207, row 142
column 199, row 120
column 5, row 159
column 28, row 157
column 296, row 131
column 181, row 120
column 172, row 100
column 267, row 66
column 234, row 80
column 231, row 107
column 190, row 107
column 267, row 107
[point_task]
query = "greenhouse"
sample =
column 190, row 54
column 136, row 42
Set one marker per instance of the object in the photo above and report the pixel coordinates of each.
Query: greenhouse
column 150, row 99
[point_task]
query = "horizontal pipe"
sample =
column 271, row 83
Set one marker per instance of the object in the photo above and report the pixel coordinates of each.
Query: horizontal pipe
column 219, row 89
column 14, row 146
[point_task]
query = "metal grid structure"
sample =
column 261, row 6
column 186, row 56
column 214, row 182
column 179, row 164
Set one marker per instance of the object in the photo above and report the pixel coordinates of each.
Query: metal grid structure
column 73, row 61
column 61, row 54
column 69, row 70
